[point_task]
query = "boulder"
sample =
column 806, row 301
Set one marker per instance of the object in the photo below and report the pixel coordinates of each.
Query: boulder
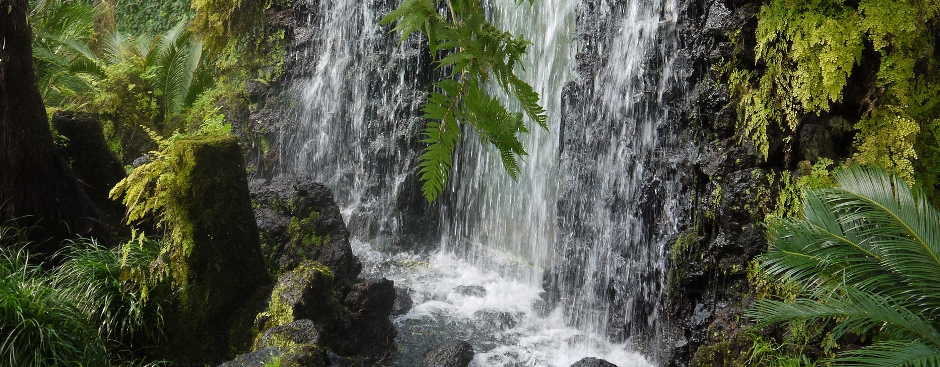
column 593, row 362
column 403, row 302
column 298, row 221
column 306, row 292
column 258, row 358
column 308, row 308
column 458, row 354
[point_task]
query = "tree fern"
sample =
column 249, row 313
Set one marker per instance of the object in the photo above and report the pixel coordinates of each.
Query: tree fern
column 473, row 53
column 868, row 255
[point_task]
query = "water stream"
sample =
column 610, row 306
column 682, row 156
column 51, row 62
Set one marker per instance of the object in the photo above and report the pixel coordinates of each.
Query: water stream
column 592, row 208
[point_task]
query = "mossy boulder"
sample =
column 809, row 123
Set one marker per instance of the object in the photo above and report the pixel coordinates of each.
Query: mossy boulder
column 306, row 292
column 214, row 263
column 299, row 221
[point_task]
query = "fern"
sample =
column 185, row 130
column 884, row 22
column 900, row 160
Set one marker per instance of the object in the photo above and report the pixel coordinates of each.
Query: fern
column 473, row 52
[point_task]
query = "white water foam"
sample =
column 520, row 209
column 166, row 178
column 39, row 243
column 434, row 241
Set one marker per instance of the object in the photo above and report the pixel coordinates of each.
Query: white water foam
column 504, row 325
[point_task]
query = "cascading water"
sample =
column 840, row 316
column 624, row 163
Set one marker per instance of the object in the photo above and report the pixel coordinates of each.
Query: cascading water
column 596, row 199
column 355, row 100
column 621, row 195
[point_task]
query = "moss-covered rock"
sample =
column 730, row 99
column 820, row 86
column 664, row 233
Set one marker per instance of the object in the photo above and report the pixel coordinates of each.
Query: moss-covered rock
column 299, row 221
column 306, row 292
column 213, row 261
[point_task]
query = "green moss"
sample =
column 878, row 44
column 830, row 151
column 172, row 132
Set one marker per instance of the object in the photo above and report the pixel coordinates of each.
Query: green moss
column 302, row 230
column 281, row 313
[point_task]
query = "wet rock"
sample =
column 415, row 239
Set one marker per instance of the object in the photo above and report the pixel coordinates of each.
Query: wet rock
column 403, row 302
column 371, row 333
column 303, row 293
column 593, row 362
column 458, row 354
column 719, row 19
column 541, row 307
column 471, row 290
column 298, row 220
column 496, row 320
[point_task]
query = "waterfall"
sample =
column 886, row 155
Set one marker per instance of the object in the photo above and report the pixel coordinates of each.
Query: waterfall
column 621, row 197
column 491, row 217
column 354, row 105
column 570, row 256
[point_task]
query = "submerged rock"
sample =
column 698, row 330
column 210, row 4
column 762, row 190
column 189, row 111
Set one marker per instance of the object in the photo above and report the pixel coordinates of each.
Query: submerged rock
column 298, row 220
column 458, row 354
column 593, row 362
column 471, row 290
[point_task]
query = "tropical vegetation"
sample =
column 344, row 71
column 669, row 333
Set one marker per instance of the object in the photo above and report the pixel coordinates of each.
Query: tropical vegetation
column 866, row 255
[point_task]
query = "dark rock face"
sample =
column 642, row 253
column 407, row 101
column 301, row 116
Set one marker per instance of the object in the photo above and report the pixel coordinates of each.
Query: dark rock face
column 452, row 355
column 403, row 302
column 298, row 220
column 471, row 290
column 593, row 362
column 92, row 162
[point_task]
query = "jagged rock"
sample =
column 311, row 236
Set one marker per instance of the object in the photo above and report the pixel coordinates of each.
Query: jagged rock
column 458, row 354
column 299, row 220
column 471, row 290
column 403, row 302
column 593, row 362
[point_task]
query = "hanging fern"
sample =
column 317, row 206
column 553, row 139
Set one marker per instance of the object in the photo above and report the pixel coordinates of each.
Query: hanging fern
column 473, row 52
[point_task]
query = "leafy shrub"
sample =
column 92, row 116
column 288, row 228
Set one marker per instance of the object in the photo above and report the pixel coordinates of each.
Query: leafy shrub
column 866, row 256
column 40, row 325
column 103, row 284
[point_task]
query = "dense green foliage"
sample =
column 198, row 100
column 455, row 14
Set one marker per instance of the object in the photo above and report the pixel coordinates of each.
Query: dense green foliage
column 85, row 311
column 806, row 54
column 473, row 52
column 140, row 85
column 867, row 256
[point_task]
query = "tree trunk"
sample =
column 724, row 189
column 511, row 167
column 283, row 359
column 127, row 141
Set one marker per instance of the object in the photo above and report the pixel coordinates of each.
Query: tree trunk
column 36, row 184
